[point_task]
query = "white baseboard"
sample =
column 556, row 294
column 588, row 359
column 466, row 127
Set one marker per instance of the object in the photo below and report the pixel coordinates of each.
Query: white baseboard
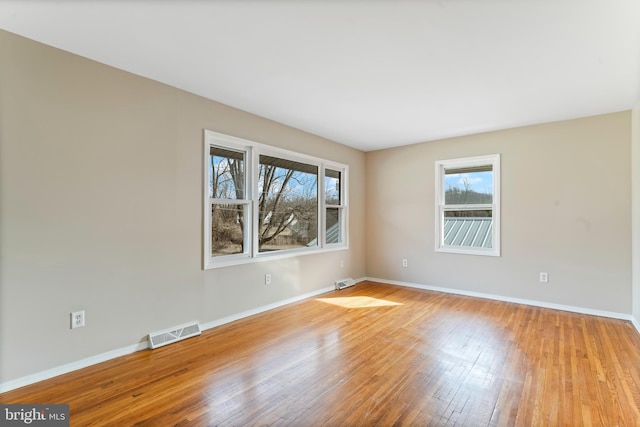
column 636, row 323
column 70, row 367
column 264, row 308
column 573, row 309
column 93, row 360
column 268, row 307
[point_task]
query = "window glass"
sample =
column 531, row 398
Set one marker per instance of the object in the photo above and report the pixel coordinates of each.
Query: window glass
column 334, row 225
column 226, row 173
column 332, row 187
column 468, row 186
column 288, row 204
column 227, row 229
column 474, row 232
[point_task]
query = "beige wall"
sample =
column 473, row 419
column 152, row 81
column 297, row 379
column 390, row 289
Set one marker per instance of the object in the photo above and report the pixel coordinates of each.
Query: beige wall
column 101, row 209
column 566, row 210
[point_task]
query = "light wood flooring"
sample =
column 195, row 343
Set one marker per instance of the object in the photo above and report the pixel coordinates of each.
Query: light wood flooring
column 369, row 355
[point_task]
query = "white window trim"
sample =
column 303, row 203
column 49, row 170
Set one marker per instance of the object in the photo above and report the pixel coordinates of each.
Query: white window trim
column 253, row 151
column 440, row 168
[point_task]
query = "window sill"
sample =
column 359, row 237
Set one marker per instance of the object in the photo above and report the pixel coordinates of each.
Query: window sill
column 469, row 251
column 246, row 259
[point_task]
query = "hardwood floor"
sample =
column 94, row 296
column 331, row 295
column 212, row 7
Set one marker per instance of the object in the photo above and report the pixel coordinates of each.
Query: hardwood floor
column 372, row 354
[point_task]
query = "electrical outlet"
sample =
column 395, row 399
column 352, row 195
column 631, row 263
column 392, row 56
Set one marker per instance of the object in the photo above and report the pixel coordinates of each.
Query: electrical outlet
column 77, row 319
column 544, row 277
column 405, row 263
column 267, row 279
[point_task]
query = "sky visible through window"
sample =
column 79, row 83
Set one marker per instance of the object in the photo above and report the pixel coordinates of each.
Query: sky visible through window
column 480, row 182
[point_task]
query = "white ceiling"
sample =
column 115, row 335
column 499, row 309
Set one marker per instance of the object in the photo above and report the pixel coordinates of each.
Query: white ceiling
column 369, row 74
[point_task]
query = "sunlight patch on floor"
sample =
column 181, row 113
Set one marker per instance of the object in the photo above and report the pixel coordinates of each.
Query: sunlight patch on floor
column 358, row 302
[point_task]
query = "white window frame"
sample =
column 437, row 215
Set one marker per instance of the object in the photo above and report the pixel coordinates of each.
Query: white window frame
column 440, row 207
column 341, row 207
column 252, row 151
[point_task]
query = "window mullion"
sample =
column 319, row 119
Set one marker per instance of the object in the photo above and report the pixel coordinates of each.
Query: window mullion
column 254, row 196
column 322, row 208
column 469, row 207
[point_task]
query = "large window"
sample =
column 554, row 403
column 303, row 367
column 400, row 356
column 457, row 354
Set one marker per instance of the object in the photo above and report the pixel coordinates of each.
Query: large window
column 468, row 205
column 261, row 201
column 287, row 204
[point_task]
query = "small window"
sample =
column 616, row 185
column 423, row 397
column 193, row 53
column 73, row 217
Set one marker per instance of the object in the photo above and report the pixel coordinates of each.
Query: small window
column 334, row 206
column 229, row 206
column 468, row 205
column 261, row 201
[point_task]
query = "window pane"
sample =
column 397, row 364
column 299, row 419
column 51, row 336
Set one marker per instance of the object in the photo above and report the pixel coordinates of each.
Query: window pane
column 468, row 228
column 227, row 229
column 332, row 187
column 334, row 225
column 226, row 173
column 468, row 186
column 288, row 204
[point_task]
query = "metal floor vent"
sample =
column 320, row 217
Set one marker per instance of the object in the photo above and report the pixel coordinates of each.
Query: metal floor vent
column 344, row 283
column 171, row 335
